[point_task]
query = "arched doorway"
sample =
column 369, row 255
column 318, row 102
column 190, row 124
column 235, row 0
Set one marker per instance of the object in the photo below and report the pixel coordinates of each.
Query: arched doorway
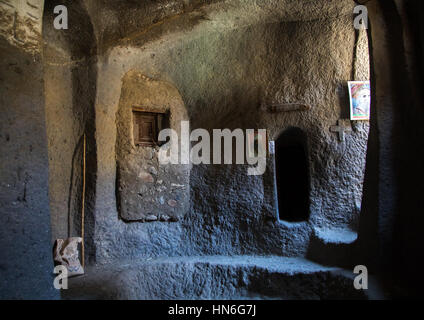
column 70, row 88
column 292, row 175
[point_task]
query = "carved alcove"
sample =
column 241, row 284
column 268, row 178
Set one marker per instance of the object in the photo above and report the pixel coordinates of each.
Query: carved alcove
column 146, row 189
column 292, row 175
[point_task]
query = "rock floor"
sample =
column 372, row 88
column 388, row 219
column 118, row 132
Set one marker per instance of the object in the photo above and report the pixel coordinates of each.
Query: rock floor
column 216, row 277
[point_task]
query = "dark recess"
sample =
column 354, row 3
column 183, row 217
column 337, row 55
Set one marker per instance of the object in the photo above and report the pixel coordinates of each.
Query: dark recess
column 292, row 175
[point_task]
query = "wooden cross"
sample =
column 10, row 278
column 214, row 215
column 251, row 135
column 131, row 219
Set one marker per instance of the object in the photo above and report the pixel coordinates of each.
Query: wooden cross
column 341, row 129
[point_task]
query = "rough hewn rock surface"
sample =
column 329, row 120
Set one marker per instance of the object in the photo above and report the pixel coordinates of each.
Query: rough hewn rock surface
column 69, row 88
column 26, row 264
column 25, row 254
column 226, row 63
column 216, row 277
column 219, row 64
column 21, row 23
column 147, row 190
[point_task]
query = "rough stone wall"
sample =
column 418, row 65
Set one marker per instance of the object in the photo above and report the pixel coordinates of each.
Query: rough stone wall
column 25, row 257
column 60, row 126
column 227, row 64
column 21, row 23
column 391, row 219
column 70, row 87
column 146, row 189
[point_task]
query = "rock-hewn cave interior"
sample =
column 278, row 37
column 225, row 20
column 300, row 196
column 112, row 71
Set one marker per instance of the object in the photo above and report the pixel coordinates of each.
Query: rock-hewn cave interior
column 86, row 98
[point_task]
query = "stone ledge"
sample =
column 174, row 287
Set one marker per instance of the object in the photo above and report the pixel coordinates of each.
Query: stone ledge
column 213, row 277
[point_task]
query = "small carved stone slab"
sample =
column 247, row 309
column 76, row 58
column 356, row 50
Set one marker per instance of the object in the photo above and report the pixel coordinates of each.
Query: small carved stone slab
column 343, row 126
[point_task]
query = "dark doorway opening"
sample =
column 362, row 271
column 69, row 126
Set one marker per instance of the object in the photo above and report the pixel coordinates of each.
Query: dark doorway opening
column 292, row 175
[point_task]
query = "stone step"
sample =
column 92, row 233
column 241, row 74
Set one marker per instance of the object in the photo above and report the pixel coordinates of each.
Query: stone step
column 336, row 235
column 333, row 246
column 214, row 277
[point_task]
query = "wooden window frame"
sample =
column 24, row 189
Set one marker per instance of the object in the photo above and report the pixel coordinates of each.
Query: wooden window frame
column 137, row 113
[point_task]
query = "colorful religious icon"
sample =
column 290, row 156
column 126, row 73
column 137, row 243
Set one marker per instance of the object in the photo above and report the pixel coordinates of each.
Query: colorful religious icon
column 360, row 100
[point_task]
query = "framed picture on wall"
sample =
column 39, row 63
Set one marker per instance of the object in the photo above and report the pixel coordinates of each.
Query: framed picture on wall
column 360, row 100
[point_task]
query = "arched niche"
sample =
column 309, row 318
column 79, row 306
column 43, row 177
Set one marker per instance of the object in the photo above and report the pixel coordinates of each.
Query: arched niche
column 292, row 175
column 70, row 88
column 147, row 190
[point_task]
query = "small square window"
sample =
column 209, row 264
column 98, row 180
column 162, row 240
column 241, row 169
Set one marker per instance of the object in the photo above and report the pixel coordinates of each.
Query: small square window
column 146, row 127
